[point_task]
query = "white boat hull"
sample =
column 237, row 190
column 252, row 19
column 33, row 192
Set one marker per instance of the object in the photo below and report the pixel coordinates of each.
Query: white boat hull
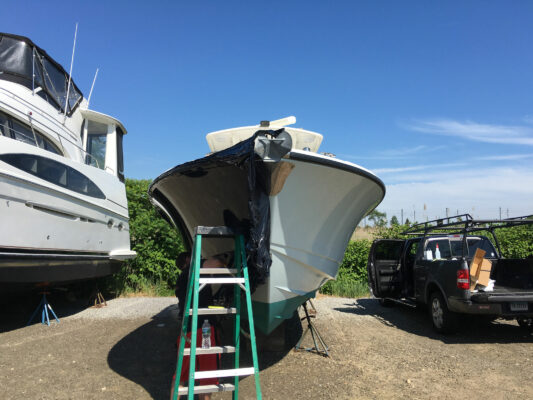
column 315, row 203
column 312, row 220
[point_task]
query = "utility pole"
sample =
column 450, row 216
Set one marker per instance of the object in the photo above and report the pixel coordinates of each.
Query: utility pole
column 447, row 212
column 402, row 216
column 500, row 213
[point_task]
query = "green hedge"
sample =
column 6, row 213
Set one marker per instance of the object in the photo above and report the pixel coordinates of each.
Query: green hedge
column 157, row 244
column 352, row 277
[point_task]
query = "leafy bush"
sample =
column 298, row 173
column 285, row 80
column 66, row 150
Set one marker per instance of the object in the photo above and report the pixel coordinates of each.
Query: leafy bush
column 516, row 242
column 352, row 278
column 157, row 245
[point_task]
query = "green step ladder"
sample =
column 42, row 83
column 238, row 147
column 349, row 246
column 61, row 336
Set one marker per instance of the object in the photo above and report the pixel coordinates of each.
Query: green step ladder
column 237, row 276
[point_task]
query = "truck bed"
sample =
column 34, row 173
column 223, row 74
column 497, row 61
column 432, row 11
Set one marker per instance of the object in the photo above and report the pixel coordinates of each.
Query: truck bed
column 513, row 282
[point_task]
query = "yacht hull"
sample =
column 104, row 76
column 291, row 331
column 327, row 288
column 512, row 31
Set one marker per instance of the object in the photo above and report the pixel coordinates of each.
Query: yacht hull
column 312, row 220
column 30, row 268
column 315, row 203
column 51, row 234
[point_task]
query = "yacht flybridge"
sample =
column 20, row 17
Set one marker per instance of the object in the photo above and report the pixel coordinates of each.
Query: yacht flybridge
column 63, row 208
column 298, row 208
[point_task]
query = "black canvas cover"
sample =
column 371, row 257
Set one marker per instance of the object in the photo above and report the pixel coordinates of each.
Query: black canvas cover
column 231, row 188
column 23, row 62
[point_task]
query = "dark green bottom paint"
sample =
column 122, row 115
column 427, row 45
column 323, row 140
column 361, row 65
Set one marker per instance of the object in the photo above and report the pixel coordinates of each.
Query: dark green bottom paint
column 267, row 316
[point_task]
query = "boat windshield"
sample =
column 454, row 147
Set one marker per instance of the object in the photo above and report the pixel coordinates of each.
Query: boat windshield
column 23, row 62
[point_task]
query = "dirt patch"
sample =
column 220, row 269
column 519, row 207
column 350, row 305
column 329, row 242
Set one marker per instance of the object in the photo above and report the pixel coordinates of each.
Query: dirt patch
column 375, row 353
column 364, row 233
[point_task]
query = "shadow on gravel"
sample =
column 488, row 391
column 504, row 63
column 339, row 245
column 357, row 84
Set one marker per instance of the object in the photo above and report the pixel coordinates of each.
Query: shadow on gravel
column 17, row 308
column 417, row 322
column 147, row 356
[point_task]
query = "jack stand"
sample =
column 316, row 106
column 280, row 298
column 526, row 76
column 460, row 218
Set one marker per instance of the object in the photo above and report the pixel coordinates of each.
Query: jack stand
column 99, row 300
column 44, row 306
column 315, row 334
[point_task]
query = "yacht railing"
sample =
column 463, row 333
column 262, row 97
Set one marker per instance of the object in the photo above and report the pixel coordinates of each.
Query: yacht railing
column 33, row 141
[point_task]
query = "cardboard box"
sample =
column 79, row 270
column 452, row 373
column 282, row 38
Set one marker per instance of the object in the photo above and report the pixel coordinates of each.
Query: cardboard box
column 480, row 269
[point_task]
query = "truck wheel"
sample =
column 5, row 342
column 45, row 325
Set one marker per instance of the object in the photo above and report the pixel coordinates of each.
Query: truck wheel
column 385, row 302
column 526, row 323
column 444, row 321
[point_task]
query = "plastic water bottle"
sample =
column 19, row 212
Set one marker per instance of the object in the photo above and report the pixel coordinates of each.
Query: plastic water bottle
column 437, row 252
column 206, row 335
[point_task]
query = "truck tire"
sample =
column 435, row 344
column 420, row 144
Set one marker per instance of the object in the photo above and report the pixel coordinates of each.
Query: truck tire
column 444, row 321
column 385, row 302
column 526, row 323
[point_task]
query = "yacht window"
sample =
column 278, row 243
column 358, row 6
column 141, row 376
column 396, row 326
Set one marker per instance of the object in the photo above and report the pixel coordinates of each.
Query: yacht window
column 81, row 184
column 96, row 144
column 46, row 144
column 22, row 133
column 54, row 172
column 120, row 155
column 3, row 126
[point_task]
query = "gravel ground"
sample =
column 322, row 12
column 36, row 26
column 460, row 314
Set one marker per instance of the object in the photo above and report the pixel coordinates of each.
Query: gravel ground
column 127, row 351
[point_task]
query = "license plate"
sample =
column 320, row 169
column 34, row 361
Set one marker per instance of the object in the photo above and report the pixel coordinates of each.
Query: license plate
column 519, row 306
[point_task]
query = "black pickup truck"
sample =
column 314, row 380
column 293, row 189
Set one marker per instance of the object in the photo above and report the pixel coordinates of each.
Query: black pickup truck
column 409, row 271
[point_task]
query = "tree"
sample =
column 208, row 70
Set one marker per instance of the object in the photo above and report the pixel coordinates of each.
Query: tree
column 156, row 242
column 407, row 222
column 378, row 218
column 394, row 221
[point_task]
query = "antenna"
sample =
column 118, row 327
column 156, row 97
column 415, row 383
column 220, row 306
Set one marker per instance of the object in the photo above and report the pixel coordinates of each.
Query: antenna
column 92, row 86
column 70, row 73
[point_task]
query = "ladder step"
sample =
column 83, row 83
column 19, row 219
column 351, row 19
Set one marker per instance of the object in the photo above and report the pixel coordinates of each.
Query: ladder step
column 220, row 280
column 219, row 271
column 214, row 231
column 213, row 311
column 211, row 350
column 223, row 387
column 222, row 373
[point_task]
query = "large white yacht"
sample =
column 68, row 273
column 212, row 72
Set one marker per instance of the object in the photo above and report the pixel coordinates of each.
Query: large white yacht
column 63, row 207
column 298, row 208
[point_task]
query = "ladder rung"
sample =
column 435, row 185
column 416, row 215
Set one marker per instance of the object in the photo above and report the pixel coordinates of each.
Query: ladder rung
column 213, row 311
column 220, row 280
column 222, row 373
column 214, row 231
column 219, row 271
column 211, row 350
column 223, row 387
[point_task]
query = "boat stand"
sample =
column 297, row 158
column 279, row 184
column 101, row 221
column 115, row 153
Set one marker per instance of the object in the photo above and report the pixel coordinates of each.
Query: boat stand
column 320, row 346
column 99, row 300
column 44, row 306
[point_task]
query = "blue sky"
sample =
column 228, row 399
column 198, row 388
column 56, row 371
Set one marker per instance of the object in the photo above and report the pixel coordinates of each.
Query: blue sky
column 436, row 99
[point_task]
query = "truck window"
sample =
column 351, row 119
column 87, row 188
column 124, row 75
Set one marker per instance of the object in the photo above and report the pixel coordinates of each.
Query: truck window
column 481, row 243
column 388, row 250
column 473, row 244
column 444, row 247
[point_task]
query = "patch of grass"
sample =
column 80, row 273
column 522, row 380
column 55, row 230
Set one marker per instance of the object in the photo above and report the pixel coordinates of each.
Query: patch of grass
column 117, row 286
column 343, row 288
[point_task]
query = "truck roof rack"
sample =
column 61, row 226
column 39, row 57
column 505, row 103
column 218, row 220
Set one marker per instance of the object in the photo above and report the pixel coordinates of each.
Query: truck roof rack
column 464, row 223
